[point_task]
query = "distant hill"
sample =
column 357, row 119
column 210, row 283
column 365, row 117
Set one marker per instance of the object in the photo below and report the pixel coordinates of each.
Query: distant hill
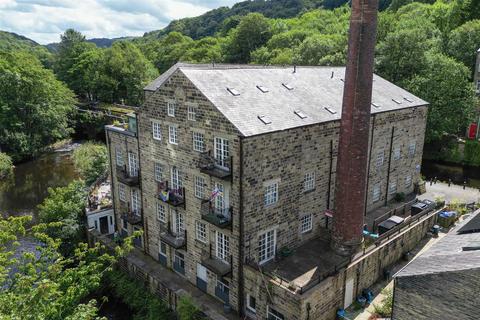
column 10, row 41
column 224, row 18
column 99, row 42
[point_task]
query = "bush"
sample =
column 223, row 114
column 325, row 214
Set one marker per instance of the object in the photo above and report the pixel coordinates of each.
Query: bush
column 385, row 309
column 6, row 165
column 187, row 310
column 399, row 197
column 472, row 153
column 91, row 161
column 145, row 305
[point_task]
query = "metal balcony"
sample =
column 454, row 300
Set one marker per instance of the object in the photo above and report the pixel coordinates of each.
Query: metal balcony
column 219, row 168
column 174, row 197
column 218, row 266
column 126, row 177
column 132, row 217
column 221, row 218
column 173, row 239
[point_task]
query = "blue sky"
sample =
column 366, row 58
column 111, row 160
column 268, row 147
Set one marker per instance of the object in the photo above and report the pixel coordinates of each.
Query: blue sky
column 44, row 20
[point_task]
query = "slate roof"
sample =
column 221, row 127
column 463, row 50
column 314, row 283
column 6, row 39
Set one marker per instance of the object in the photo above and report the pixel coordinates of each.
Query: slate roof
column 313, row 90
column 448, row 254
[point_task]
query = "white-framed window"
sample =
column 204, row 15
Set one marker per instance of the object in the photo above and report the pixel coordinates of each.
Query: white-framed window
column 162, row 249
column 271, row 194
column 222, row 152
column 251, row 303
column 198, row 141
column 201, row 231
column 173, row 134
column 306, row 223
column 122, row 194
column 191, row 113
column 135, row 195
column 176, row 180
column 380, row 157
column 273, row 314
column 199, row 187
column 124, row 224
column 179, row 262
column 220, row 200
column 158, row 171
column 156, row 130
column 222, row 246
column 266, row 246
column 161, row 212
column 396, row 153
column 132, row 164
column 171, row 108
column 392, row 188
column 376, row 193
column 309, row 181
column 411, row 148
column 408, row 181
column 179, row 223
column 119, row 157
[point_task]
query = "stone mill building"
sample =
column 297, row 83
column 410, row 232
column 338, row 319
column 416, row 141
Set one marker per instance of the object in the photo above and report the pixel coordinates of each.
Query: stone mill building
column 230, row 172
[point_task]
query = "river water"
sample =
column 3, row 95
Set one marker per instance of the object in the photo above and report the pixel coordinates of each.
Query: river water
column 457, row 173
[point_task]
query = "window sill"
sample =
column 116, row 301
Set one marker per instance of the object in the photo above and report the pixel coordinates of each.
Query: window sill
column 204, row 243
column 306, row 232
column 309, row 191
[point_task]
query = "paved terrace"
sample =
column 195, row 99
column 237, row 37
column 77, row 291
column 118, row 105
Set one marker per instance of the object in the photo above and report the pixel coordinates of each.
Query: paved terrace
column 175, row 283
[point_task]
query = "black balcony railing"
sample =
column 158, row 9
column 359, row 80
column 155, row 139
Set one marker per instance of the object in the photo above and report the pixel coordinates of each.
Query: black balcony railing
column 221, row 218
column 128, row 177
column 219, row 168
column 174, row 197
column 174, row 239
column 132, row 217
column 220, row 267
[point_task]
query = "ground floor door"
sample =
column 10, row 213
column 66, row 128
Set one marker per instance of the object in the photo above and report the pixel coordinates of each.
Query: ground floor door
column 104, row 225
column 201, row 277
column 348, row 292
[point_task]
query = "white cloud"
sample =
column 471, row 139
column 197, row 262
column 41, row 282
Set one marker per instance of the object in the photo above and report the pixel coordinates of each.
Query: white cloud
column 44, row 20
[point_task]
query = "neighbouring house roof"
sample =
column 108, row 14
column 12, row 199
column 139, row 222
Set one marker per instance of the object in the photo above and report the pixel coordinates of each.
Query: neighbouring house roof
column 262, row 99
column 458, row 250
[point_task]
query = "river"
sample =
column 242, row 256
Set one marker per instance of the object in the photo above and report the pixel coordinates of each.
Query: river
column 28, row 187
column 446, row 171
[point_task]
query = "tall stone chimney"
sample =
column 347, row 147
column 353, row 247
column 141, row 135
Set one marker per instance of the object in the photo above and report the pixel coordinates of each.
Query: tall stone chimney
column 352, row 162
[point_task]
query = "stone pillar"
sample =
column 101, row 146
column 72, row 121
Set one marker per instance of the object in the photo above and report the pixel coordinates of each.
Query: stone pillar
column 351, row 175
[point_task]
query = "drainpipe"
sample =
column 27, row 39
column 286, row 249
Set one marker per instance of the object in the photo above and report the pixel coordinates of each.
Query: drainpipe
column 389, row 166
column 112, row 189
column 145, row 229
column 369, row 163
column 241, row 284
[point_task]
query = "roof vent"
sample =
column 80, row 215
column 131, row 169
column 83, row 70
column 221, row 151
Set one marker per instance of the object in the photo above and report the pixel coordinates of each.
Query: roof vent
column 233, row 91
column 376, row 105
column 341, row 79
column 263, row 89
column 300, row 114
column 330, row 109
column 265, row 119
column 408, row 99
column 396, row 101
column 286, row 85
column 472, row 247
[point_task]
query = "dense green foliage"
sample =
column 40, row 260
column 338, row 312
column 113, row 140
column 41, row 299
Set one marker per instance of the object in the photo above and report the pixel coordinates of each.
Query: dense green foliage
column 136, row 296
column 65, row 205
column 44, row 284
column 91, row 161
column 6, row 165
column 13, row 42
column 472, row 153
column 34, row 106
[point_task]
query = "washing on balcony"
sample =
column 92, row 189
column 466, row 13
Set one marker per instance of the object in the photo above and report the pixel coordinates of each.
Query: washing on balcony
column 174, row 197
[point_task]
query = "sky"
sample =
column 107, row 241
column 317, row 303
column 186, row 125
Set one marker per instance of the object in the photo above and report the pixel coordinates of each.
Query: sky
column 44, row 20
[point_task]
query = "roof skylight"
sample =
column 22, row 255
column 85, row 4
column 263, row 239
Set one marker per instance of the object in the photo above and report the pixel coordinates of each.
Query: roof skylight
column 288, row 86
column 263, row 89
column 265, row 119
column 397, row 101
column 233, row 91
column 408, row 99
column 376, row 105
column 330, row 109
column 300, row 114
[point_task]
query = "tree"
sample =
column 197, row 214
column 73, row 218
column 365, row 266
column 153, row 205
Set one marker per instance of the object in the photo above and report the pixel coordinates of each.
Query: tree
column 464, row 42
column 322, row 50
column 91, row 161
column 6, row 165
column 252, row 33
column 444, row 83
column 71, row 46
column 125, row 71
column 65, row 205
column 34, row 106
column 85, row 73
column 43, row 284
